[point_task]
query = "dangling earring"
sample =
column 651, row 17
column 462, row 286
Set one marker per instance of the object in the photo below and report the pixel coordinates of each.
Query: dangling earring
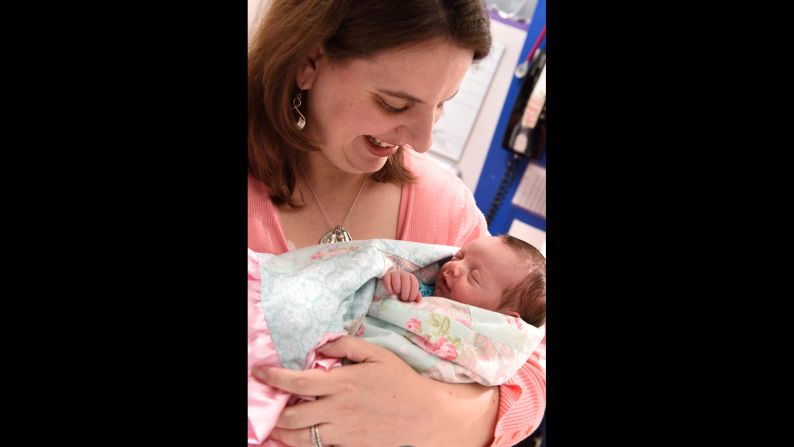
column 296, row 103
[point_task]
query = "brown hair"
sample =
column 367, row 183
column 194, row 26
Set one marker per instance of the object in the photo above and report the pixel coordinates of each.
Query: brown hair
column 347, row 29
column 528, row 297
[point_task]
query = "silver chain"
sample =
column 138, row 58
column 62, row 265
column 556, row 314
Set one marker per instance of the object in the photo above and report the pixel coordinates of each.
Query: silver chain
column 317, row 199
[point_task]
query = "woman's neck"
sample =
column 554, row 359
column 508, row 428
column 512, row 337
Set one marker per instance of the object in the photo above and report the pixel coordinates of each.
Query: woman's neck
column 327, row 179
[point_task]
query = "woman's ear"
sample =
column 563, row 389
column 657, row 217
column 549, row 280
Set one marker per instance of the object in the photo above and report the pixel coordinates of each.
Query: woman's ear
column 307, row 70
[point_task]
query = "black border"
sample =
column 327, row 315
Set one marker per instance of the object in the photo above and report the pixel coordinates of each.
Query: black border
column 139, row 242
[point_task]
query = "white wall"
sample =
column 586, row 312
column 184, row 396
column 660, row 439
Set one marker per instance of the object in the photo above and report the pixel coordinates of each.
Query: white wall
column 476, row 149
column 255, row 8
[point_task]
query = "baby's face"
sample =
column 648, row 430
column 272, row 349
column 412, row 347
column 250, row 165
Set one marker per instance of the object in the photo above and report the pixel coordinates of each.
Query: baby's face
column 480, row 273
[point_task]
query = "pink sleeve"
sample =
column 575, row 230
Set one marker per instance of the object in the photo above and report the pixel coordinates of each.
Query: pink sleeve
column 522, row 402
column 265, row 234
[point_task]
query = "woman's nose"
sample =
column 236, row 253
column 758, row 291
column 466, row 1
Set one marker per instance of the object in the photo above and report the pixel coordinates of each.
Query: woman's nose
column 421, row 130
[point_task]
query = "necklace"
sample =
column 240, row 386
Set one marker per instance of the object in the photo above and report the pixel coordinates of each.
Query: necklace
column 337, row 233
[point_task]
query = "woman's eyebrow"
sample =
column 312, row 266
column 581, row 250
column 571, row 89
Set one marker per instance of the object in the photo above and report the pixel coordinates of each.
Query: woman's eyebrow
column 401, row 95
column 407, row 97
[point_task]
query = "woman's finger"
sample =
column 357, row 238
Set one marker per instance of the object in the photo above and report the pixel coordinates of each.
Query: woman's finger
column 302, row 436
column 312, row 382
column 293, row 438
column 354, row 348
column 305, row 414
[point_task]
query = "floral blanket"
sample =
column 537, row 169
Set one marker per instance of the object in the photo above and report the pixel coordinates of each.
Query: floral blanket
column 302, row 299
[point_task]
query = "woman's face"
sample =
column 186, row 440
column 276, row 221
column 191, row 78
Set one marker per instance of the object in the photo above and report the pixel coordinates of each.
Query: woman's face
column 361, row 110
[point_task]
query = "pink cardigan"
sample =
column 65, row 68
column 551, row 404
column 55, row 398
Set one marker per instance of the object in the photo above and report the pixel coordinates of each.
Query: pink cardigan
column 438, row 209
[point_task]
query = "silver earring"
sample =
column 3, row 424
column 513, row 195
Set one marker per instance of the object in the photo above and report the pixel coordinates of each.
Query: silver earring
column 296, row 103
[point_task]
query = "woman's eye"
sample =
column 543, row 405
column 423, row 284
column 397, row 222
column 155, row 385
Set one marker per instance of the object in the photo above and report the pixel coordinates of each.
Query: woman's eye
column 390, row 108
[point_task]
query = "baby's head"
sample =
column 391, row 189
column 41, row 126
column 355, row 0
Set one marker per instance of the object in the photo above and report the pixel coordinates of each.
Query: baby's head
column 499, row 273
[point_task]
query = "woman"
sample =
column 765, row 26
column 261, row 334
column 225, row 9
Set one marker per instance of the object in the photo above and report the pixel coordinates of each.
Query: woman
column 342, row 99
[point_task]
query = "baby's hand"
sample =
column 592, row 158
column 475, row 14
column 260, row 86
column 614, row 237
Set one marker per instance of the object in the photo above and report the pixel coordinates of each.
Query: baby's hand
column 403, row 284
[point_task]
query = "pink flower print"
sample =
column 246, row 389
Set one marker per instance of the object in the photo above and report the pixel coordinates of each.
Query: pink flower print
column 514, row 320
column 422, row 341
column 444, row 349
column 467, row 357
column 327, row 252
column 485, row 347
column 414, row 325
column 505, row 353
column 340, row 250
column 360, row 331
column 464, row 322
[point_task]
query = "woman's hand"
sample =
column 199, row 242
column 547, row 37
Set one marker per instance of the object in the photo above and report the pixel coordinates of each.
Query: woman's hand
column 380, row 401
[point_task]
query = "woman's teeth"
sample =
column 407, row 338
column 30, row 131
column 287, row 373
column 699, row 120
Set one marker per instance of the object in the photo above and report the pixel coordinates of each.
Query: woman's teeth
column 380, row 143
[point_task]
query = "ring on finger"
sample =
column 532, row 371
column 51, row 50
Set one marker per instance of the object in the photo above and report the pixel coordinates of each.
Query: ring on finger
column 314, row 432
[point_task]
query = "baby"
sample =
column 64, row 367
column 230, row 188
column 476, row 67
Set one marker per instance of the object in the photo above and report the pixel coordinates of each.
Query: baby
column 499, row 273
column 469, row 329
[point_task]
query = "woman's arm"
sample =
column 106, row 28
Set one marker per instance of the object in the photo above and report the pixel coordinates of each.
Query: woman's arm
column 382, row 401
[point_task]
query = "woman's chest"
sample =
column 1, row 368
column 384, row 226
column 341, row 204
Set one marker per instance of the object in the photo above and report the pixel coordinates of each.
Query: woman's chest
column 374, row 216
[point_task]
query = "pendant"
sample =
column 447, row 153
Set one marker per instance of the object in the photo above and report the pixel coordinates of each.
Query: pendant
column 337, row 234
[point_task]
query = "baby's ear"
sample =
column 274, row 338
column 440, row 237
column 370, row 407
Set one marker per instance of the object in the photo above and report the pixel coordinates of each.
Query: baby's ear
column 513, row 313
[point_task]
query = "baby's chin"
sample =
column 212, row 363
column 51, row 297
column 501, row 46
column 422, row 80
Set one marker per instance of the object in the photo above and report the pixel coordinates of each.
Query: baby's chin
column 441, row 294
